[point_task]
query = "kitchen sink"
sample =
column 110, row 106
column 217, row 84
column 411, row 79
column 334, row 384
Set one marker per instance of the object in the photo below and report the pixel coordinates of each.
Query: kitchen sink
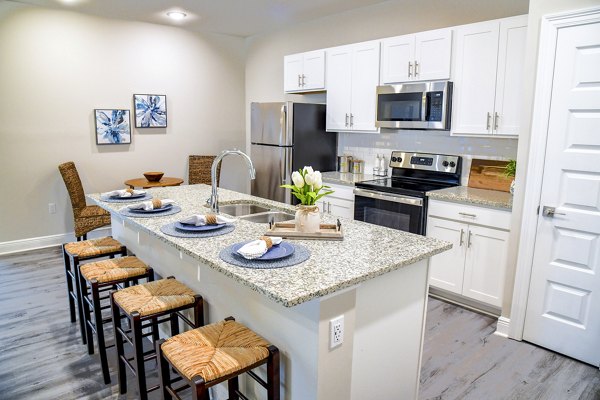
column 269, row 216
column 236, row 210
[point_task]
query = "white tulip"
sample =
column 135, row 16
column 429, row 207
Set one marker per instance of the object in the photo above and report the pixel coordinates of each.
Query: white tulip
column 308, row 170
column 310, row 178
column 297, row 179
column 318, row 180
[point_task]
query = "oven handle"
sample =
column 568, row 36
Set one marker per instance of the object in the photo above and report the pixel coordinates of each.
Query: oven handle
column 413, row 201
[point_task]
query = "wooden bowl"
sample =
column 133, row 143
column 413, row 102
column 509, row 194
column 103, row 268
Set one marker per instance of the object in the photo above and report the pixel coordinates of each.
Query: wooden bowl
column 153, row 176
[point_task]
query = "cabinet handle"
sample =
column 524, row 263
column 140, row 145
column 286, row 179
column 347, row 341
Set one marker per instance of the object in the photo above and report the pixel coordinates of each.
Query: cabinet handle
column 299, row 80
column 462, row 233
column 346, row 120
column 329, row 207
column 496, row 118
column 303, row 82
column 409, row 69
column 416, row 68
column 469, row 239
column 487, row 124
column 467, row 215
column 351, row 120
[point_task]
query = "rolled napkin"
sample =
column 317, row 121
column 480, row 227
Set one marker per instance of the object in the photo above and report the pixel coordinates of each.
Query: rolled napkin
column 257, row 248
column 123, row 193
column 208, row 219
column 150, row 204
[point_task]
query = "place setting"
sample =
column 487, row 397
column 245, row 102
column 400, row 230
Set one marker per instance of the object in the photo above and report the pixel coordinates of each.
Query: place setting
column 151, row 208
column 266, row 252
column 199, row 226
column 125, row 196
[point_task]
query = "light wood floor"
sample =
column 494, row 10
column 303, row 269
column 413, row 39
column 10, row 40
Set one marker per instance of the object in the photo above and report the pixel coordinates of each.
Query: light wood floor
column 41, row 356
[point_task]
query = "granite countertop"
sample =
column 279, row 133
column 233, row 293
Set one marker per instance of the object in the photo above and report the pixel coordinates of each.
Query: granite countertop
column 367, row 250
column 345, row 178
column 479, row 197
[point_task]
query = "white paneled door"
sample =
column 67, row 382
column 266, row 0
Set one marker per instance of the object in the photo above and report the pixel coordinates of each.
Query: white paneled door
column 563, row 309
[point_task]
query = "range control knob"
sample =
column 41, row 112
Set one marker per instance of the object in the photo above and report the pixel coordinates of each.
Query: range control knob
column 394, row 159
column 445, row 163
column 399, row 159
column 452, row 164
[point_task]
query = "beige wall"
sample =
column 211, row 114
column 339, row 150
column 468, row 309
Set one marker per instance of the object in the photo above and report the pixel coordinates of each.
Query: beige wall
column 537, row 9
column 57, row 66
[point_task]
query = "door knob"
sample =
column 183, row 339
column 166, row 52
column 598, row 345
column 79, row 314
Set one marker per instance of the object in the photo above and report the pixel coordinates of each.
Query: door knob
column 550, row 212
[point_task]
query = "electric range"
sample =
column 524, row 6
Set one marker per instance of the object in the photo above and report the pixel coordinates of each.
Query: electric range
column 400, row 201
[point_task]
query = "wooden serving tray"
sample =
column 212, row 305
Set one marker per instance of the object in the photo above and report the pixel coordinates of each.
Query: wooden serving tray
column 489, row 174
column 288, row 230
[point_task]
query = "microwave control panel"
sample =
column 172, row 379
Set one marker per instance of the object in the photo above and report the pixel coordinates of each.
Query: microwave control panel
column 435, row 103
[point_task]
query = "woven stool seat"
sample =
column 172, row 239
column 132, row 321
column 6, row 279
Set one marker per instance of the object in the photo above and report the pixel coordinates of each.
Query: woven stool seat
column 93, row 247
column 154, row 297
column 215, row 351
column 114, row 269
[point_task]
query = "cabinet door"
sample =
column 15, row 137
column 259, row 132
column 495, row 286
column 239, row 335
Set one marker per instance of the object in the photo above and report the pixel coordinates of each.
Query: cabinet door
column 513, row 36
column 365, row 77
column 340, row 207
column 485, row 264
column 397, row 53
column 475, row 78
column 292, row 72
column 314, row 70
column 433, row 52
column 339, row 88
column 447, row 268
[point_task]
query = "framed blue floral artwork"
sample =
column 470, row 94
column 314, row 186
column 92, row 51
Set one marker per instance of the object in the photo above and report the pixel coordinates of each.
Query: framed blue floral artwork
column 112, row 126
column 150, row 110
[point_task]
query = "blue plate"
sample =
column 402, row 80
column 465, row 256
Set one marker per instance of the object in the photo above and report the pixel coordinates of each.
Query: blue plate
column 194, row 228
column 133, row 196
column 156, row 210
column 277, row 252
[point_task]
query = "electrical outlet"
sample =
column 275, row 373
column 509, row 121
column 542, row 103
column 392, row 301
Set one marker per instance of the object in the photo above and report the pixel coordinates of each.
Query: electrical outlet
column 51, row 208
column 336, row 331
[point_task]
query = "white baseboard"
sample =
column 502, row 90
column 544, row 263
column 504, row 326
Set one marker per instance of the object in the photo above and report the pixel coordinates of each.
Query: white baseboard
column 502, row 327
column 17, row 246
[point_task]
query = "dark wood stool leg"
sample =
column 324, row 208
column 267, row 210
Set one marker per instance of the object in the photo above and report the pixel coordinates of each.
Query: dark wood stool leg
column 174, row 322
column 163, row 371
column 79, row 302
column 87, row 316
column 138, row 351
column 233, row 386
column 273, row 374
column 199, row 389
column 198, row 311
column 99, row 330
column 70, row 291
column 116, row 317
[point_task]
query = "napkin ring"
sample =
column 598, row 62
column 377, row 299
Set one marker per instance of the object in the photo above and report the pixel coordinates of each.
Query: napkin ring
column 267, row 240
column 211, row 219
column 130, row 190
column 156, row 203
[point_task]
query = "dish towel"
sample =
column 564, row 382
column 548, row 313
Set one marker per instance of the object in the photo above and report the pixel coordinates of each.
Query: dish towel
column 150, row 204
column 257, row 248
column 208, row 219
column 123, row 193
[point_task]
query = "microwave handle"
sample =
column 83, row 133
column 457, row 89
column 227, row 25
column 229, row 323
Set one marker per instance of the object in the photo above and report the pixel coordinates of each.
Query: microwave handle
column 424, row 106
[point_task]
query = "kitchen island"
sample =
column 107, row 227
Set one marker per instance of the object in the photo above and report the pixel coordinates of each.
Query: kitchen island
column 376, row 278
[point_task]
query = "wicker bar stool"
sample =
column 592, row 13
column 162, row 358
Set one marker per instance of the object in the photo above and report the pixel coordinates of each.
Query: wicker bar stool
column 101, row 276
column 149, row 302
column 73, row 254
column 199, row 170
column 213, row 354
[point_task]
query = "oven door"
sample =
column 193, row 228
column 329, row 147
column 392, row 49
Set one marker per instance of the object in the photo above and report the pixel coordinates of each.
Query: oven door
column 394, row 211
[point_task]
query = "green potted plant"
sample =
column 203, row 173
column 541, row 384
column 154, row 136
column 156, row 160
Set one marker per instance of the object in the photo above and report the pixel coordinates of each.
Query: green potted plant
column 308, row 188
column 510, row 171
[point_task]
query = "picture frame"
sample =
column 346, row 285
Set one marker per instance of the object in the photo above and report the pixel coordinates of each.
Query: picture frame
column 113, row 126
column 150, row 110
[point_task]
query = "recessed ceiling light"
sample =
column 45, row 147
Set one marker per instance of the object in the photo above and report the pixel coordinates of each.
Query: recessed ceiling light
column 176, row 15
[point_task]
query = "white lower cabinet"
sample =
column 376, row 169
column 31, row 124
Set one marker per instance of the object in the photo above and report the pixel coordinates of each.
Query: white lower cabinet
column 475, row 267
column 340, row 203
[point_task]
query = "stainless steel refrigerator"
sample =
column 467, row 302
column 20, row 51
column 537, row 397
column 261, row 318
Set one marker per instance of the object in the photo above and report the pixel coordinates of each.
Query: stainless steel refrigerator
column 285, row 137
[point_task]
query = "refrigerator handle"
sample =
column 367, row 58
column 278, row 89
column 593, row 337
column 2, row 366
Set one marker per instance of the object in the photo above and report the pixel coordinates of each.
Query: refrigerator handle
column 283, row 122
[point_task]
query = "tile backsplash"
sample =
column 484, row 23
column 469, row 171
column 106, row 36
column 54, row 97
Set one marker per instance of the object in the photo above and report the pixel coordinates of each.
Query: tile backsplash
column 366, row 146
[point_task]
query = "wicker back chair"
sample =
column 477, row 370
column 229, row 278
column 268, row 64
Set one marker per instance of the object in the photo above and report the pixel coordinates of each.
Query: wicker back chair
column 86, row 218
column 199, row 170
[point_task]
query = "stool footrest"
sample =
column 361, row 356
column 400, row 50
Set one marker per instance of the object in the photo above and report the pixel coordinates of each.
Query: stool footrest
column 257, row 379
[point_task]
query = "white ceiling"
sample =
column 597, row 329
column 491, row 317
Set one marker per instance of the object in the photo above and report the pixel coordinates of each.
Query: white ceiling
column 233, row 17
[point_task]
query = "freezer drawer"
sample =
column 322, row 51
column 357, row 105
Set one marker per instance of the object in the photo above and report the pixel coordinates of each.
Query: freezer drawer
column 273, row 166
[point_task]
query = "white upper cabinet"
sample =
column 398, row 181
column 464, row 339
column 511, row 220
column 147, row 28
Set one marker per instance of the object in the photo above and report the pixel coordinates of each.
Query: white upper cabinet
column 488, row 70
column 416, row 57
column 304, row 72
column 352, row 77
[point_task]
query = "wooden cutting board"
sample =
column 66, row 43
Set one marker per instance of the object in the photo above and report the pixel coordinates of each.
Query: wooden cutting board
column 489, row 174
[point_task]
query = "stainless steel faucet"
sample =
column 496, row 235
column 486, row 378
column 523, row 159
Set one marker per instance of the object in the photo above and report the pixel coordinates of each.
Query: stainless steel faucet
column 214, row 197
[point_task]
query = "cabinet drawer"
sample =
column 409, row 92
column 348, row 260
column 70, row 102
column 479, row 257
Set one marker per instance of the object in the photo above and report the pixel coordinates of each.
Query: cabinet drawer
column 340, row 192
column 470, row 214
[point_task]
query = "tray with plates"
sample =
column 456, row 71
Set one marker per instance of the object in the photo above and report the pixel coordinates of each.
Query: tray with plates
column 276, row 252
column 279, row 256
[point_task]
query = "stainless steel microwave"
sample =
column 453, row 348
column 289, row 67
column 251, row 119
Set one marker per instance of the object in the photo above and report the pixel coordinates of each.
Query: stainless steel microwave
column 424, row 105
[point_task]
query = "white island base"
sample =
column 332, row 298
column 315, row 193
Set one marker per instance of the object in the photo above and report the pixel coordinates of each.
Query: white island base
column 384, row 317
